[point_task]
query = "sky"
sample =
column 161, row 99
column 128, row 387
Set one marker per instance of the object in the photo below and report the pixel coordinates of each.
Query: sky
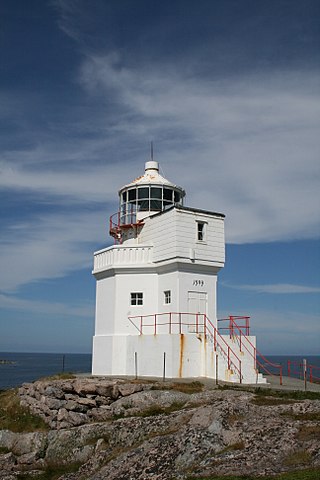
column 228, row 91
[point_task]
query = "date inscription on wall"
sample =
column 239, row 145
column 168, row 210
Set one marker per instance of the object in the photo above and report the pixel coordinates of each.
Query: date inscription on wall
column 198, row 283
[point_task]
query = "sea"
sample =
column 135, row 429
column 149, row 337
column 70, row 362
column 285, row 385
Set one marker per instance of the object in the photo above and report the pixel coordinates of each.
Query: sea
column 17, row 368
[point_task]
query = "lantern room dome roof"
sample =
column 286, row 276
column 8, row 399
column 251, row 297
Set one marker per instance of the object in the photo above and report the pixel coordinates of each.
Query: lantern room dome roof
column 151, row 177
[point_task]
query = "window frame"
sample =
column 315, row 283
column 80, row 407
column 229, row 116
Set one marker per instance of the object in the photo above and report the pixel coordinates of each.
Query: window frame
column 136, row 299
column 167, row 297
column 201, row 232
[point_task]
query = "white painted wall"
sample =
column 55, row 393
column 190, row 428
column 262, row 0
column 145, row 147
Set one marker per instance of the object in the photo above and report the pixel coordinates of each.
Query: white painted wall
column 165, row 256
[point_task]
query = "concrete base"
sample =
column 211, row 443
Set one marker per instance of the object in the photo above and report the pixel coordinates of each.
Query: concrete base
column 171, row 356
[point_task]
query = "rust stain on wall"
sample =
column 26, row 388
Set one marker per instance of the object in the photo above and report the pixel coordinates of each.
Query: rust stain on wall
column 181, row 354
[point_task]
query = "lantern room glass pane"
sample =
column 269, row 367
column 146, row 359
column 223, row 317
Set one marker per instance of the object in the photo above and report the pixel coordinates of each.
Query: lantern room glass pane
column 132, row 194
column 176, row 197
column 155, row 205
column 167, row 194
column 124, row 197
column 143, row 205
column 156, row 192
column 143, row 192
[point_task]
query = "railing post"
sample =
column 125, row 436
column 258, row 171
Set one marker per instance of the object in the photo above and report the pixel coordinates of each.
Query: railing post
column 280, row 374
column 255, row 357
column 215, row 339
column 228, row 357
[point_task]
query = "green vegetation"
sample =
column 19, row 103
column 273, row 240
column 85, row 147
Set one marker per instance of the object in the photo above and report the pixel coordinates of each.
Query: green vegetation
column 16, row 418
column 52, row 472
column 313, row 474
column 308, row 432
column 184, row 387
column 302, row 417
column 295, row 395
column 270, row 401
column 297, row 458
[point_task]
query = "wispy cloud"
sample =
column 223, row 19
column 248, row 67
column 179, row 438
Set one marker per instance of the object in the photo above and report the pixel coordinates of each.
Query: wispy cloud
column 12, row 302
column 49, row 246
column 277, row 288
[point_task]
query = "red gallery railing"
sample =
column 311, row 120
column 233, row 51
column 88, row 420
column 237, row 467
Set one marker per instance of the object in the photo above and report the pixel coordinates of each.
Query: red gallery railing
column 296, row 369
column 179, row 323
column 240, row 333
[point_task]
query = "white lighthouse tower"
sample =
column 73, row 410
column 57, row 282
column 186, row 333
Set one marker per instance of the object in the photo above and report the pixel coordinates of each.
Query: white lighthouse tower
column 156, row 290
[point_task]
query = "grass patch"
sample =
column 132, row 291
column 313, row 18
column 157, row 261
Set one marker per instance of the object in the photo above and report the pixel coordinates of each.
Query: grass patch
column 304, row 417
column 184, row 387
column 297, row 458
column 52, row 472
column 313, row 474
column 308, row 432
column 16, row 418
column 270, row 401
column 192, row 387
column 4, row 450
column 268, row 392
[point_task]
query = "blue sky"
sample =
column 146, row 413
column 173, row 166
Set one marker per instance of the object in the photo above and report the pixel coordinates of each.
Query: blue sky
column 228, row 90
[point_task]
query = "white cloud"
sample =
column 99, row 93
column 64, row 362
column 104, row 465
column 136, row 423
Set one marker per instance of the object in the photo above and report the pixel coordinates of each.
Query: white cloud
column 49, row 247
column 48, row 308
column 247, row 147
column 277, row 288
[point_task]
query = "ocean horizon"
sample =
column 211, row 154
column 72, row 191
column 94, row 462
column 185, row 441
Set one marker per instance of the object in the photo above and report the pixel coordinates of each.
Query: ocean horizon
column 19, row 367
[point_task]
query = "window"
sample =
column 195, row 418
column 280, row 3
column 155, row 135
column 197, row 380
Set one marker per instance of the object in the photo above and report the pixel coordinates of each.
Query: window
column 167, row 194
column 136, row 298
column 200, row 231
column 132, row 194
column 167, row 296
column 143, row 192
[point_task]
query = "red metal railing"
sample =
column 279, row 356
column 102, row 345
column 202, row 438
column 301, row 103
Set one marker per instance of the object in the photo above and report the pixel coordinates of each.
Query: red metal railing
column 122, row 219
column 295, row 368
column 233, row 326
column 177, row 322
column 240, row 333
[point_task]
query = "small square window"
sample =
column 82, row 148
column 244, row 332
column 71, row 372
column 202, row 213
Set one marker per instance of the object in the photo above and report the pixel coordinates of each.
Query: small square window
column 167, row 296
column 136, row 298
column 200, row 231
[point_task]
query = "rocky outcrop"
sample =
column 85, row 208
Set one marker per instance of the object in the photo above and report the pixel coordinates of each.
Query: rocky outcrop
column 114, row 429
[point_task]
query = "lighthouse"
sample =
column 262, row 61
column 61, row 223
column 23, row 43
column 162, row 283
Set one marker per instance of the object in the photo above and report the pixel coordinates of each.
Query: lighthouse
column 156, row 290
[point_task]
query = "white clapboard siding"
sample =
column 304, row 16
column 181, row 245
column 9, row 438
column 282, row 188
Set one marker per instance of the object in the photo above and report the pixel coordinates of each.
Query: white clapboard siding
column 174, row 235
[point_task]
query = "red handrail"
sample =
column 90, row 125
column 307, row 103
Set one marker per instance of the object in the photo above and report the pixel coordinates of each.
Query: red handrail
column 309, row 370
column 242, row 343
